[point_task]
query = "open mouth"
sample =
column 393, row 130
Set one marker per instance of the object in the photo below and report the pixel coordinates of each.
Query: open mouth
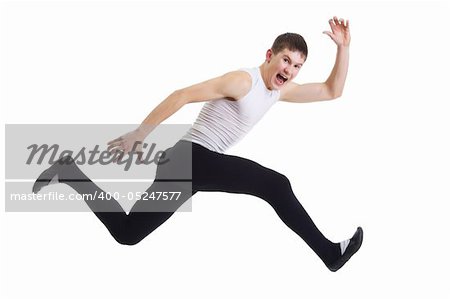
column 281, row 79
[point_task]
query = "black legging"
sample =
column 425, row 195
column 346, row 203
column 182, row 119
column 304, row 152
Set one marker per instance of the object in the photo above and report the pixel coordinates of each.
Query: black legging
column 211, row 171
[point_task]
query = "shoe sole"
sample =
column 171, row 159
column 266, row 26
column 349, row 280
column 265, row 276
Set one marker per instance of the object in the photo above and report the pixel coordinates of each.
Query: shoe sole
column 352, row 248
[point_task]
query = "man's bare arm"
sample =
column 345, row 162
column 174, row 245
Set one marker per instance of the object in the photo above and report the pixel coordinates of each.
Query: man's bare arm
column 233, row 85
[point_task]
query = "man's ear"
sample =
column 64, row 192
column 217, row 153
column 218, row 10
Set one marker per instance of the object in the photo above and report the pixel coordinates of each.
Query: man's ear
column 269, row 55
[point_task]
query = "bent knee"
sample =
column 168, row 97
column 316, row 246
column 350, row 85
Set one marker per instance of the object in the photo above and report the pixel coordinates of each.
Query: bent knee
column 279, row 180
column 274, row 187
column 128, row 241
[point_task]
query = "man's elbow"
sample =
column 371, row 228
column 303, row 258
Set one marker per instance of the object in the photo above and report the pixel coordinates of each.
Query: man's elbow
column 187, row 95
column 180, row 97
column 178, row 93
column 333, row 94
column 336, row 95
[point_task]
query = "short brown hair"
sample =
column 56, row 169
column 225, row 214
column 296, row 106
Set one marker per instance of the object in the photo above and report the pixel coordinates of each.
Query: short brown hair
column 290, row 41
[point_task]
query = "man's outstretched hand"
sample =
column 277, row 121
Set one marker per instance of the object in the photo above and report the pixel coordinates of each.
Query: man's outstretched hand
column 130, row 143
column 340, row 31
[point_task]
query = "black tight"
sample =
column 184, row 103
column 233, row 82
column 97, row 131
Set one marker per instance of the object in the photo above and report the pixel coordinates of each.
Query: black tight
column 211, row 171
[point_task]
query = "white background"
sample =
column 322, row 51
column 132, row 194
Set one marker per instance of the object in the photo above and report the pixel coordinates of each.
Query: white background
column 377, row 157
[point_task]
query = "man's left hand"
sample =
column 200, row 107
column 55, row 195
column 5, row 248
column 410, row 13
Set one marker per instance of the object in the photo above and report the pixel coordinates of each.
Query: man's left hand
column 340, row 31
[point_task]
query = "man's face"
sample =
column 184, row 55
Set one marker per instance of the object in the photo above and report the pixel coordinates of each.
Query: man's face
column 283, row 67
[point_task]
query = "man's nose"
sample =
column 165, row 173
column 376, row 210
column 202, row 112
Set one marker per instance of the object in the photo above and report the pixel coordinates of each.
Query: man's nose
column 288, row 70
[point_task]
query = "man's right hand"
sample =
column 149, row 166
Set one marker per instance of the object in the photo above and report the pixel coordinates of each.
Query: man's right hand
column 129, row 143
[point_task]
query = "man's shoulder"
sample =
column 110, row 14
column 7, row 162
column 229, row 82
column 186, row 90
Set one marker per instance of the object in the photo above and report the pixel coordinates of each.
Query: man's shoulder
column 238, row 83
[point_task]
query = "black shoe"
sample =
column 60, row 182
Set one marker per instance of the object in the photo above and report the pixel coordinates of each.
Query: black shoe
column 352, row 248
column 52, row 174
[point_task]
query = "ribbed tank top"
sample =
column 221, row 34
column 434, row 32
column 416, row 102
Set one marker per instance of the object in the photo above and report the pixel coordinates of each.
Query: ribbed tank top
column 223, row 122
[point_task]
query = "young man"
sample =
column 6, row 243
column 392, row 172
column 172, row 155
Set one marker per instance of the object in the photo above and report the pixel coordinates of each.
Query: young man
column 236, row 102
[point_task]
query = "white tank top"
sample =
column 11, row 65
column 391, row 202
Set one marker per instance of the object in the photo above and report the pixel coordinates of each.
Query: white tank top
column 223, row 122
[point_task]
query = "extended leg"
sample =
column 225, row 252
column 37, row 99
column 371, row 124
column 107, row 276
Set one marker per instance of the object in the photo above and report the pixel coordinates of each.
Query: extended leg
column 126, row 229
column 219, row 172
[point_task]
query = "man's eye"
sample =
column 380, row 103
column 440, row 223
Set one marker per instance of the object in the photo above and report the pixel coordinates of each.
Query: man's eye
column 285, row 60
